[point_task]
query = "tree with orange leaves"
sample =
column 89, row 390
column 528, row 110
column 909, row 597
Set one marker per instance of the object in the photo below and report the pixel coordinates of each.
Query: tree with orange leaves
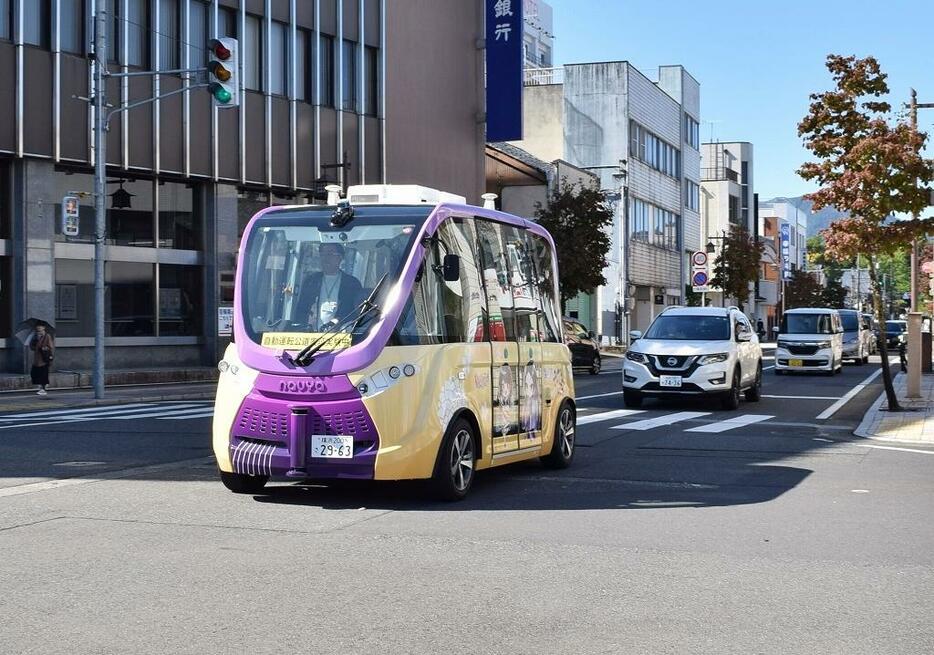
column 869, row 166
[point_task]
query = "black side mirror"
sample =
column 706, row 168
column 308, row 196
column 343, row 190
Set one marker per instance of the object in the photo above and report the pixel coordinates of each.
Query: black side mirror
column 591, row 334
column 451, row 268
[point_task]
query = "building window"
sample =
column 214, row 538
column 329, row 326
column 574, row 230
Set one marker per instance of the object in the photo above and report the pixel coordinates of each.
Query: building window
column 691, row 132
column 638, row 220
column 197, row 34
column 178, row 227
column 180, row 293
column 114, row 34
column 327, row 71
column 654, row 151
column 129, row 302
column 302, row 59
column 349, row 76
column 372, row 81
column 278, row 58
column 168, row 35
column 227, row 22
column 691, row 195
column 734, row 216
column 137, row 26
column 37, row 23
column 651, row 224
column 71, row 25
column 251, row 59
column 6, row 20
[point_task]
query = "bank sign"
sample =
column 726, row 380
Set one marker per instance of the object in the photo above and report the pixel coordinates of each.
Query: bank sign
column 786, row 250
column 503, row 70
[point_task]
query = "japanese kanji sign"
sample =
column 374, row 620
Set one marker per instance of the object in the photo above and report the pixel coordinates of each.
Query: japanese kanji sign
column 503, row 70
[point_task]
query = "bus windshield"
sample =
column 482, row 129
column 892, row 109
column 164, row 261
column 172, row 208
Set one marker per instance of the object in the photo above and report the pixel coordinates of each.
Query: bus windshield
column 302, row 277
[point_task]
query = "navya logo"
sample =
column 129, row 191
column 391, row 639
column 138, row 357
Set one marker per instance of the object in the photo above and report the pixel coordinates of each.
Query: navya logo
column 311, row 385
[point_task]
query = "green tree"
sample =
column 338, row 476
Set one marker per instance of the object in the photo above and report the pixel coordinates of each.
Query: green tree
column 834, row 293
column 737, row 265
column 803, row 290
column 868, row 166
column 578, row 218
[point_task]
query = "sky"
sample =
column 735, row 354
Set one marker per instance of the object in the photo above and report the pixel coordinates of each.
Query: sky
column 757, row 61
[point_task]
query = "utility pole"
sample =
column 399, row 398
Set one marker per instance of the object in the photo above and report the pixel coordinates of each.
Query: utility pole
column 913, row 108
column 100, row 189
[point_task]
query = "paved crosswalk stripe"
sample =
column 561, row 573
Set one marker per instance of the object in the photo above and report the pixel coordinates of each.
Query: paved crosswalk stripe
column 154, row 412
column 732, row 423
column 46, row 413
column 606, row 416
column 112, row 412
column 182, row 415
column 667, row 419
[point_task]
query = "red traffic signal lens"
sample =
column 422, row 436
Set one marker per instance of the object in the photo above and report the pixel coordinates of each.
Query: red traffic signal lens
column 218, row 70
column 220, row 50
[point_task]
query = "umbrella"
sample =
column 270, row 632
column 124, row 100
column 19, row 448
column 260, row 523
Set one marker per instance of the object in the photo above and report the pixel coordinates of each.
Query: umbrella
column 27, row 328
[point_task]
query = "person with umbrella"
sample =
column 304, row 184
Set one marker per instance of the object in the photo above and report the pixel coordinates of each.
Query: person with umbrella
column 43, row 346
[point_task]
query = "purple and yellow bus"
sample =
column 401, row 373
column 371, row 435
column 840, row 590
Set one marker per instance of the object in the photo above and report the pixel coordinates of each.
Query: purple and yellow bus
column 397, row 334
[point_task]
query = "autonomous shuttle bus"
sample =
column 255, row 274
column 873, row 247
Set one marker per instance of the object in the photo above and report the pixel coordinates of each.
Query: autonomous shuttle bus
column 395, row 334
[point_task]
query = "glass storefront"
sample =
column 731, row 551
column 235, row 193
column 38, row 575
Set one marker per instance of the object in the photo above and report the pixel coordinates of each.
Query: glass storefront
column 180, row 300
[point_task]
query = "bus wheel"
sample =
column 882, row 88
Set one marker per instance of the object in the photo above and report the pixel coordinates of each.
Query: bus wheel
column 454, row 470
column 563, row 445
column 244, row 484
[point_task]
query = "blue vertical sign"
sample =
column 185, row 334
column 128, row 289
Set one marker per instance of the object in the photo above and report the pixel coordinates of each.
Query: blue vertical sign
column 786, row 250
column 504, row 70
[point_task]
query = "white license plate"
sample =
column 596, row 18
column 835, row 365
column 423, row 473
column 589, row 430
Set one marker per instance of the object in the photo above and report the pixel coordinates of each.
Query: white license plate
column 331, row 446
column 670, row 381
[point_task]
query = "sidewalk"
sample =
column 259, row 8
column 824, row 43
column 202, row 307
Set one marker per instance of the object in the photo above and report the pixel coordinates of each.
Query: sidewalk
column 915, row 426
column 21, row 401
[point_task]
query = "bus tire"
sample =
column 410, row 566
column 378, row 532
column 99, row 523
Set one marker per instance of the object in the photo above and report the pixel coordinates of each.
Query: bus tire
column 244, row 484
column 564, row 444
column 457, row 462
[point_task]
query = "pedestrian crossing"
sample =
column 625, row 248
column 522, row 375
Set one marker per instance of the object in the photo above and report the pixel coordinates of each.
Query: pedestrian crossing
column 729, row 422
column 170, row 411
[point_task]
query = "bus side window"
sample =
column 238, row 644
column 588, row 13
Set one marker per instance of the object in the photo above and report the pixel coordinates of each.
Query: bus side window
column 546, row 288
column 496, row 281
column 461, row 300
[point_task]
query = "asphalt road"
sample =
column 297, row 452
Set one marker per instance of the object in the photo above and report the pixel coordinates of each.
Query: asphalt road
column 675, row 531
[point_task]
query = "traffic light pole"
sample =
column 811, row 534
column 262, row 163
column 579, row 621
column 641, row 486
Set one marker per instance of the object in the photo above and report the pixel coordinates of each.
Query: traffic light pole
column 102, row 116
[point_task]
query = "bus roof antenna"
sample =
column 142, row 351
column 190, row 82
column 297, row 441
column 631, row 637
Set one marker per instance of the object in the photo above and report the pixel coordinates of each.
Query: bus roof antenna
column 489, row 200
column 334, row 193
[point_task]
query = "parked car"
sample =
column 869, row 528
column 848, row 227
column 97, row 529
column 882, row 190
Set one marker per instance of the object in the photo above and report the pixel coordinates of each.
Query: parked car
column 583, row 344
column 893, row 330
column 694, row 351
column 873, row 326
column 810, row 339
column 857, row 338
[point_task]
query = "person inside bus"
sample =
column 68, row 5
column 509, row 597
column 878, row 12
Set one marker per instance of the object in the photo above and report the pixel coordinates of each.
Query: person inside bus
column 330, row 293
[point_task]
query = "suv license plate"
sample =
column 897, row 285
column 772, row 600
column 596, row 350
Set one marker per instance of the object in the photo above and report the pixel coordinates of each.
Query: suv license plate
column 670, row 381
column 331, row 446
column 795, row 362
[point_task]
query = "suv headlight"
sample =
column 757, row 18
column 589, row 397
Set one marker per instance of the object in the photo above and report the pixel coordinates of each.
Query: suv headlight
column 713, row 359
column 635, row 357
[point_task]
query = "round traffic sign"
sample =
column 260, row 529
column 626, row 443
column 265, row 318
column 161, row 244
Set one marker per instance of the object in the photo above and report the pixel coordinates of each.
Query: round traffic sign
column 699, row 278
column 699, row 258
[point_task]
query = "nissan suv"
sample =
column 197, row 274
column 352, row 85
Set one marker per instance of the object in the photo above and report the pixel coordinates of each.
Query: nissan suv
column 694, row 351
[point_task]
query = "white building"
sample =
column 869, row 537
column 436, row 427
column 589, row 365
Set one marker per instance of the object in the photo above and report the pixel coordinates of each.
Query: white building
column 538, row 39
column 772, row 215
column 727, row 199
column 642, row 138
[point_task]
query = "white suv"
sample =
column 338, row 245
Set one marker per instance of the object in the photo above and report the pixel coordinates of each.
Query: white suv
column 694, row 351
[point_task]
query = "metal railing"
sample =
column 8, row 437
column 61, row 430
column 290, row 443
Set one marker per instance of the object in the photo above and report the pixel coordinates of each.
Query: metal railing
column 719, row 173
column 543, row 76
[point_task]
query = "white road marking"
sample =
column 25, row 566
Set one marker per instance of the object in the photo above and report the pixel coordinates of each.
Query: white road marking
column 830, row 411
column 157, row 413
column 82, row 419
column 667, row 419
column 606, row 416
column 47, row 413
column 100, row 477
column 859, row 491
column 804, row 397
column 903, row 450
column 768, row 368
column 175, row 417
column 599, row 395
column 731, row 423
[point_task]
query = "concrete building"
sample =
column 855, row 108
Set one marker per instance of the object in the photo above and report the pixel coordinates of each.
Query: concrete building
column 641, row 137
column 538, row 39
column 321, row 101
column 727, row 199
column 771, row 216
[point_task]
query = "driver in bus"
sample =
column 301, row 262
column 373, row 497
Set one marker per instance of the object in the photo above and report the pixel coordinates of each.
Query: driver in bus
column 331, row 293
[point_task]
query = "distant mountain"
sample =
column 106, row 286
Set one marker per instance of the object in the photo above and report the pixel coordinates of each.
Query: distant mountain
column 817, row 220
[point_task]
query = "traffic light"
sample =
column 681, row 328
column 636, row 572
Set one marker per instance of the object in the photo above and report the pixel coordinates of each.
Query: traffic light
column 223, row 69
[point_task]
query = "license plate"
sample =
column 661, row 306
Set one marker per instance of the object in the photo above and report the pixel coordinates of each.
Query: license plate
column 795, row 362
column 331, row 446
column 670, row 381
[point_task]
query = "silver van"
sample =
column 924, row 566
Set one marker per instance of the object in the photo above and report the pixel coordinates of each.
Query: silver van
column 810, row 339
column 857, row 337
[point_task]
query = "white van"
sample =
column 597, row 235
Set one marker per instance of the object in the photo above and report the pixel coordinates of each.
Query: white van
column 810, row 339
